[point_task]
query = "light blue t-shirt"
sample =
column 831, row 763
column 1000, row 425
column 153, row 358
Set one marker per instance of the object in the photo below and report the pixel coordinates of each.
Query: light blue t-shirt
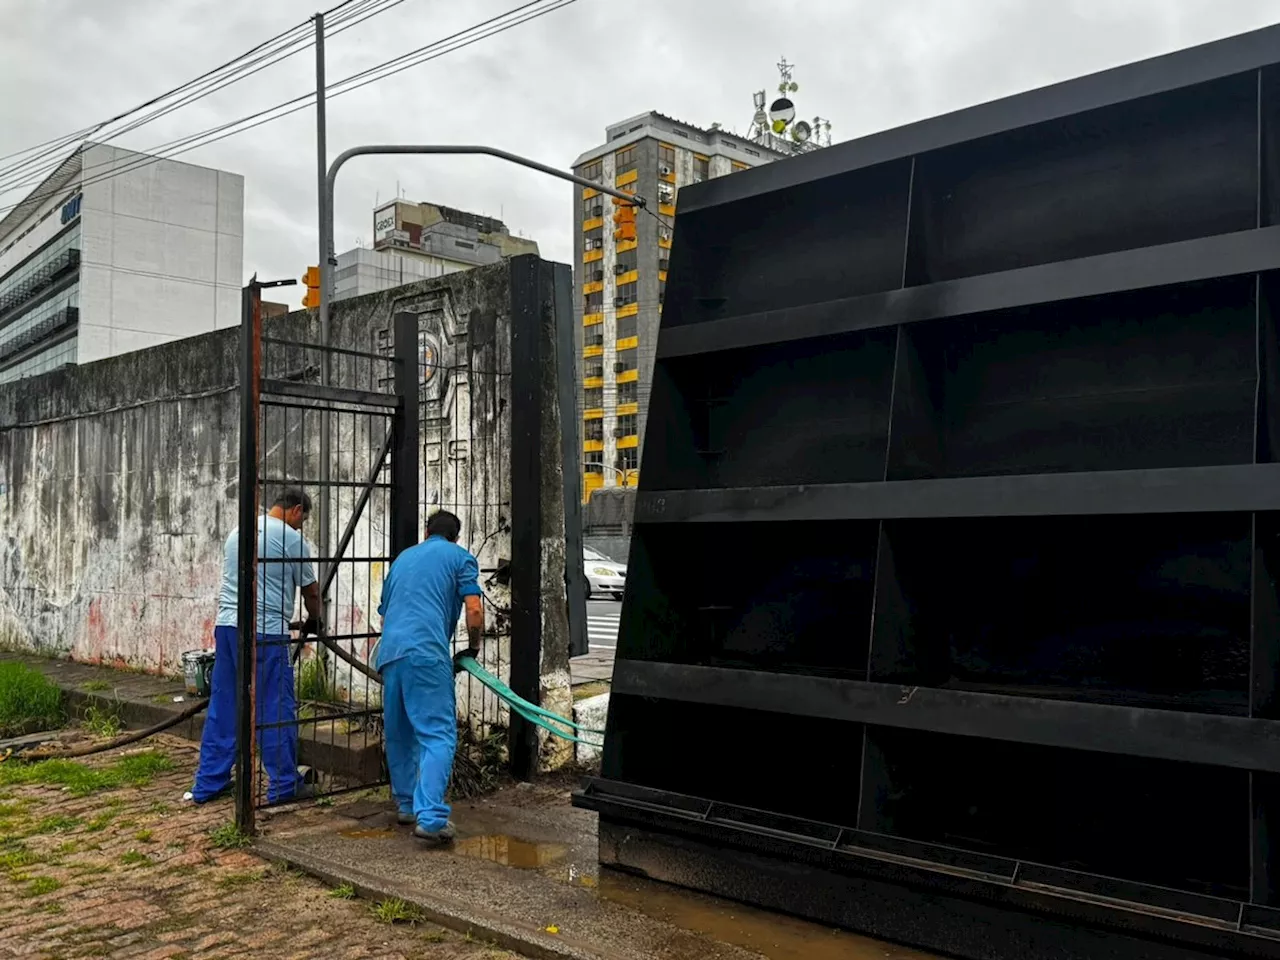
column 278, row 582
column 422, row 600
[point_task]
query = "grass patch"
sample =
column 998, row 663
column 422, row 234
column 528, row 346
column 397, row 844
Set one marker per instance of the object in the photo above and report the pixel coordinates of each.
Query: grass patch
column 144, row 836
column 29, row 701
column 344, row 892
column 95, row 686
column 314, row 685
column 81, row 780
column 99, row 823
column 102, row 722
column 233, row 880
column 395, row 910
column 15, row 855
column 132, row 858
column 53, row 908
column 229, row 837
column 41, row 886
column 71, row 846
column 56, row 824
column 159, row 806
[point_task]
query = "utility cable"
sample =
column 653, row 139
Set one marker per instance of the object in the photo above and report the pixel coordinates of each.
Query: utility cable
column 454, row 42
column 296, row 40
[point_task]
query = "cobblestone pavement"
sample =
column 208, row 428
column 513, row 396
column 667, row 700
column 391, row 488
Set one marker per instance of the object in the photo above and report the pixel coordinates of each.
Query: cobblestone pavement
column 92, row 866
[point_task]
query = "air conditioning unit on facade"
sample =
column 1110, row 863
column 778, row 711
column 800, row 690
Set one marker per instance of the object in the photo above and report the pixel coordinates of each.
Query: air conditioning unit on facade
column 619, row 269
column 597, row 211
column 597, row 275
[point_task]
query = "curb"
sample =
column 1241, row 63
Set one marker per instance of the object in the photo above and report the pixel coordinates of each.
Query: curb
column 443, row 911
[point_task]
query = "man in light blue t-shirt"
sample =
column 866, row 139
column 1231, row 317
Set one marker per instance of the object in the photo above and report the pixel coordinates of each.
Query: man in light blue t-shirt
column 284, row 569
column 422, row 597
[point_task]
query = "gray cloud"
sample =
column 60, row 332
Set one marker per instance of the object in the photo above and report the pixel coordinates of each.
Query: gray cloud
column 548, row 88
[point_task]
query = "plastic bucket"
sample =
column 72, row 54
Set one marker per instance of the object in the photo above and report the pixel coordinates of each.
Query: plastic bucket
column 197, row 672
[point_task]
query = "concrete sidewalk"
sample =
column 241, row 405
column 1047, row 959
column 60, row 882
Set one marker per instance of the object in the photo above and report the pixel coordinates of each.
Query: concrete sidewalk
column 524, row 874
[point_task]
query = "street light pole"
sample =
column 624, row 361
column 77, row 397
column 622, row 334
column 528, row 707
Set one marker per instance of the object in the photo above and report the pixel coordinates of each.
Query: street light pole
column 328, row 259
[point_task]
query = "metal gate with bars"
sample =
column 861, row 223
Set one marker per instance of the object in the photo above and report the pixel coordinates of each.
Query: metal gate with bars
column 309, row 708
column 452, row 405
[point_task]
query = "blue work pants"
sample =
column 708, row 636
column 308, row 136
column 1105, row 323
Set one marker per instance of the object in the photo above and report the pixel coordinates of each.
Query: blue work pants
column 421, row 735
column 276, row 702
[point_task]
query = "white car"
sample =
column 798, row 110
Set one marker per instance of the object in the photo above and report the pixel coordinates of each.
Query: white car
column 605, row 577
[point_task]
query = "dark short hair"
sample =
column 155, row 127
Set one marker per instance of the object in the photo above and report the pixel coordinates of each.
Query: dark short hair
column 442, row 523
column 291, row 497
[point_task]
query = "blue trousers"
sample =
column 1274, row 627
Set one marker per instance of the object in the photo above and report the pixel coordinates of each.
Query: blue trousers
column 276, row 702
column 422, row 734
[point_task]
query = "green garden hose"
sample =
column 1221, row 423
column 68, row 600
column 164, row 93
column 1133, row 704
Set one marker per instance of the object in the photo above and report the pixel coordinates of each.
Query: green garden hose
column 530, row 711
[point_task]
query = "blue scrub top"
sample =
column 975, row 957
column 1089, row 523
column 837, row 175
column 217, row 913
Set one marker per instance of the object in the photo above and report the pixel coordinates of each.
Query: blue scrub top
column 422, row 600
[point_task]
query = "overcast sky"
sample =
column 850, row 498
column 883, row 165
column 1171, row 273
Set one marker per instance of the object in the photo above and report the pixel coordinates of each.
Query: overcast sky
column 545, row 89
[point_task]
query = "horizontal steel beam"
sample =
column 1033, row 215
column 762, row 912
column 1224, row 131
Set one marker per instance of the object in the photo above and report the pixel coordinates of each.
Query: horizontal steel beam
column 1213, row 740
column 330, row 394
column 935, row 896
column 1207, row 258
column 1174, row 71
column 1227, row 489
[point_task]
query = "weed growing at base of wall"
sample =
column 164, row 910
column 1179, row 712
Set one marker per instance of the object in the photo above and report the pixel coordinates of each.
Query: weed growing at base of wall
column 29, row 701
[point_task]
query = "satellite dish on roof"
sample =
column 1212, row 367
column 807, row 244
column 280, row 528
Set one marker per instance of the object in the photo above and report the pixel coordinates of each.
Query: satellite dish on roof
column 801, row 132
column 781, row 112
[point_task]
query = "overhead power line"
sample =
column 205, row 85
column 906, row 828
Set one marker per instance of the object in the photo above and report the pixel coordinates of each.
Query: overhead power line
column 270, row 52
column 457, row 41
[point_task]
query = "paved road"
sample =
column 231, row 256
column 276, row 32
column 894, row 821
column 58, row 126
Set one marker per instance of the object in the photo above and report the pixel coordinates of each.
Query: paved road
column 602, row 623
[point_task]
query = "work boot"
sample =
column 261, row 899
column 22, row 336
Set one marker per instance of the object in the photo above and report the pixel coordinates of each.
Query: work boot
column 439, row 837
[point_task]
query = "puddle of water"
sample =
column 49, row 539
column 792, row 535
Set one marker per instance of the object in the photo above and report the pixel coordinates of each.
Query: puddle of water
column 773, row 935
column 366, row 833
column 510, row 851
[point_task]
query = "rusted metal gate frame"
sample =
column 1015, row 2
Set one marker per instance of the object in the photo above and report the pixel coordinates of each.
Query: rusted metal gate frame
column 401, row 444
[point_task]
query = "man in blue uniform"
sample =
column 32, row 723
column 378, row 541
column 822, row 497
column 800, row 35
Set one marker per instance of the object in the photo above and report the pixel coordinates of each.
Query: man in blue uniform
column 284, row 569
column 422, row 597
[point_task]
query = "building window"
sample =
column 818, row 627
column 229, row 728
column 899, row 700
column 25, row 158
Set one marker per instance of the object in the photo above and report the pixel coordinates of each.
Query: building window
column 593, row 336
column 627, row 327
column 592, row 170
column 593, row 398
column 593, row 239
column 628, row 260
column 594, row 460
column 625, row 160
column 593, row 302
column 701, row 169
column 666, row 158
column 593, row 368
column 627, row 392
column 593, row 430
column 627, row 360
column 666, row 192
column 628, row 458
column 627, row 293
column 662, row 291
column 627, row 425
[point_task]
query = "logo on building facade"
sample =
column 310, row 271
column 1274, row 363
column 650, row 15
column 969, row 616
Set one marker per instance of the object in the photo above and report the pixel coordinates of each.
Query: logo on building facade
column 71, row 209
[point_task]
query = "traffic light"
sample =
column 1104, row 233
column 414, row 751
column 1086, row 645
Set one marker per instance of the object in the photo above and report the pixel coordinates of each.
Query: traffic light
column 311, row 299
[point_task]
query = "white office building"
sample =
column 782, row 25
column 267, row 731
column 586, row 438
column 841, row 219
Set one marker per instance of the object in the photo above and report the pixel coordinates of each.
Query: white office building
column 115, row 251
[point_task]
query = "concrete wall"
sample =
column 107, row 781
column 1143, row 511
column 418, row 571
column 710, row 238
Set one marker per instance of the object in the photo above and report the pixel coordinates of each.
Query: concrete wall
column 162, row 251
column 118, row 480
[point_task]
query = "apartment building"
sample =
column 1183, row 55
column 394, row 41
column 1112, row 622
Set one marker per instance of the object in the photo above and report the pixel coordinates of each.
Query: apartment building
column 115, row 251
column 621, row 274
